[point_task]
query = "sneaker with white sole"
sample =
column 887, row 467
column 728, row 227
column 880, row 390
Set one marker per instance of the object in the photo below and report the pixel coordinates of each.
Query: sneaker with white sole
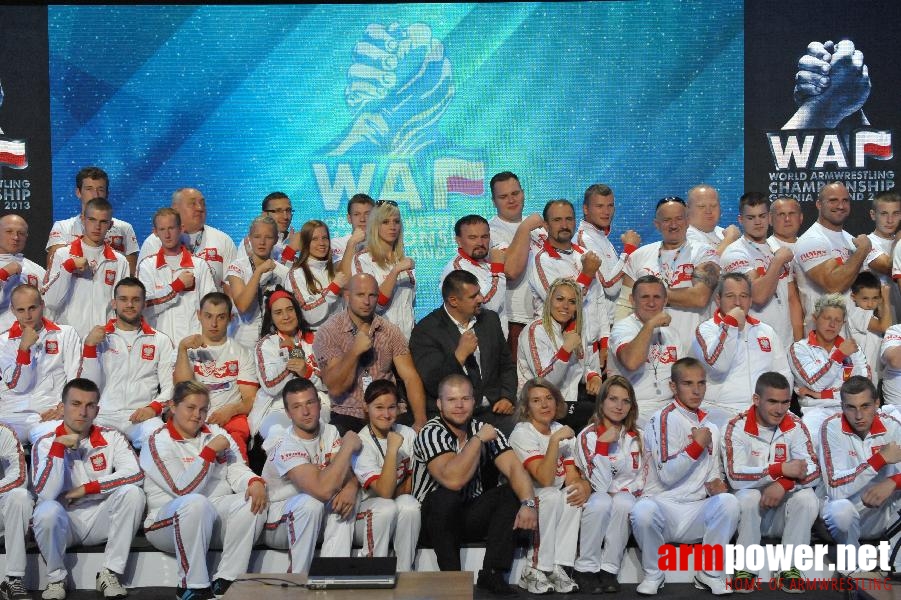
column 561, row 582
column 55, row 591
column 108, row 584
column 535, row 581
column 13, row 588
column 649, row 587
column 791, row 581
column 715, row 585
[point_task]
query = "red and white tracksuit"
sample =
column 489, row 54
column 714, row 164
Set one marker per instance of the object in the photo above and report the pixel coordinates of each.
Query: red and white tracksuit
column 610, row 275
column 850, row 466
column 617, row 473
column 381, row 520
column 79, row 299
column 245, row 326
column 675, row 505
column 315, row 306
column 196, row 499
column 121, row 235
column 16, row 502
column 131, row 377
column 111, row 509
column 555, row 540
column 519, row 306
column 539, row 355
column 296, row 518
column 753, row 456
column 172, row 308
column 492, row 282
column 34, row 378
column 209, row 244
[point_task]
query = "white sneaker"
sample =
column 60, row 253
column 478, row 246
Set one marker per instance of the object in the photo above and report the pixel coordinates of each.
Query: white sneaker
column 649, row 587
column 55, row 591
column 561, row 582
column 715, row 585
column 108, row 584
column 535, row 581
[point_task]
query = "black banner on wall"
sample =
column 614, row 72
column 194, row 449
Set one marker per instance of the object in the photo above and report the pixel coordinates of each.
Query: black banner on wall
column 25, row 122
column 805, row 127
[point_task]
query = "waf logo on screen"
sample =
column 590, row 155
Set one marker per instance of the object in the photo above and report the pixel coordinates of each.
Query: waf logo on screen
column 399, row 86
column 12, row 151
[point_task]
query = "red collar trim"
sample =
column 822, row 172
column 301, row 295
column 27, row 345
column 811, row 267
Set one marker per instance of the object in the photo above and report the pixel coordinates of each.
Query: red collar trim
column 186, row 261
column 76, row 249
column 173, row 432
column 719, row 318
column 553, row 253
column 146, row 329
column 465, row 256
column 877, row 428
column 753, row 428
column 95, row 436
column 15, row 331
column 812, row 340
column 701, row 414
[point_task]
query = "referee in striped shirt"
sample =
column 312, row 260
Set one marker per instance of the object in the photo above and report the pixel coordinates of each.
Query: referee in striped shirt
column 450, row 454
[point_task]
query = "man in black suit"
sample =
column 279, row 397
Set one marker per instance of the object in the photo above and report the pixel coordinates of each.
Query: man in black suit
column 462, row 337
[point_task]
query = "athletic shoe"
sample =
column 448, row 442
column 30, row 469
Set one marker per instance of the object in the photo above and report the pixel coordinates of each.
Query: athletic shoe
column 609, row 582
column 535, row 581
column 715, row 585
column 744, row 582
column 561, row 581
column 13, row 588
column 55, row 591
column 108, row 584
column 194, row 594
column 494, row 582
column 220, row 587
column 649, row 587
column 588, row 583
column 791, row 581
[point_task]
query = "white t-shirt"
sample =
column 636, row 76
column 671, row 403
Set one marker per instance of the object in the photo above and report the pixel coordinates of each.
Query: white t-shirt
column 368, row 465
column 816, row 246
column 519, row 295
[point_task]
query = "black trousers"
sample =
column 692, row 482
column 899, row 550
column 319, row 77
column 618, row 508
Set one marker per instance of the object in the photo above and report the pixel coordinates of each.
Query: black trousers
column 346, row 423
column 450, row 520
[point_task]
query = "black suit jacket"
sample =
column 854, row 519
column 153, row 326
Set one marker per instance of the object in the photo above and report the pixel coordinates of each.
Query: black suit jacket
column 433, row 342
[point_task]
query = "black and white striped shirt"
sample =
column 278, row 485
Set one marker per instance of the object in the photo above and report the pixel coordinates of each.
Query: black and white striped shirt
column 436, row 438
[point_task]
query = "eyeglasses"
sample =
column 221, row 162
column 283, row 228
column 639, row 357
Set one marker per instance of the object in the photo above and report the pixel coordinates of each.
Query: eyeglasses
column 279, row 211
column 388, row 202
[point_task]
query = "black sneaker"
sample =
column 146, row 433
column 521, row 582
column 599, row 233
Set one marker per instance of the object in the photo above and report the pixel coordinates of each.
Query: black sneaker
column 220, row 587
column 494, row 582
column 193, row 594
column 588, row 582
column 608, row 582
column 13, row 588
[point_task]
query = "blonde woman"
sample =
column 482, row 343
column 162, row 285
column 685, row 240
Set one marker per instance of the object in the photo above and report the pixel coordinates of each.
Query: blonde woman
column 313, row 278
column 552, row 348
column 250, row 277
column 545, row 448
column 609, row 453
column 383, row 258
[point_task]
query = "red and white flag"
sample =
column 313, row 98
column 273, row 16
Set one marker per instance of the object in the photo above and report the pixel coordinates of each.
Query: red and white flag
column 12, row 154
column 874, row 143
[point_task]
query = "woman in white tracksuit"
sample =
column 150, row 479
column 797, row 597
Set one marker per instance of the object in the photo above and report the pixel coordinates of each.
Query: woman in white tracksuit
column 200, row 492
column 384, row 468
column 545, row 448
column 610, row 454
column 285, row 352
column 314, row 279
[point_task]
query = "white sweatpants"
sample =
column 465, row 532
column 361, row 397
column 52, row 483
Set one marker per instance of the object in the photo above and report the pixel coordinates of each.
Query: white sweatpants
column 135, row 432
column 605, row 522
column 294, row 524
column 848, row 522
column 792, row 519
column 656, row 521
column 189, row 525
column 16, row 506
column 115, row 519
column 554, row 541
column 813, row 418
column 379, row 520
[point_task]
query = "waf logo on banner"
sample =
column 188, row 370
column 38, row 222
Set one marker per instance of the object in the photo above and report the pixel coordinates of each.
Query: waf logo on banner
column 12, row 151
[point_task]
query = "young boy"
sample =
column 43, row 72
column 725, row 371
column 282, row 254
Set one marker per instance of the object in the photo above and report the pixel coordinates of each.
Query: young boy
column 869, row 316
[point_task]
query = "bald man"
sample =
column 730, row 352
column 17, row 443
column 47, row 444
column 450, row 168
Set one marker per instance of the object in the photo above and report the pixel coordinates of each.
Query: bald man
column 704, row 217
column 202, row 240
column 355, row 347
column 14, row 268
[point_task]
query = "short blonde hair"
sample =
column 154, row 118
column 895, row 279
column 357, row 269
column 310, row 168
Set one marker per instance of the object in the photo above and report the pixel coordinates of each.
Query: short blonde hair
column 830, row 301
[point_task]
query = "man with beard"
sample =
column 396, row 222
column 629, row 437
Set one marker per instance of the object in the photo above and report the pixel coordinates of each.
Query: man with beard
column 132, row 363
column 561, row 258
column 37, row 358
column 450, row 455
column 462, row 336
column 310, row 481
column 829, row 256
column 14, row 268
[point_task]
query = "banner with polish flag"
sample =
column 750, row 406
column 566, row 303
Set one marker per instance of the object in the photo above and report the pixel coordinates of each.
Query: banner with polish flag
column 12, row 153
column 876, row 143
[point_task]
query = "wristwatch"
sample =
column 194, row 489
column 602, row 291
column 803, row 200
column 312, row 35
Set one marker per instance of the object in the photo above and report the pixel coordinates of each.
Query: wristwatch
column 530, row 503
